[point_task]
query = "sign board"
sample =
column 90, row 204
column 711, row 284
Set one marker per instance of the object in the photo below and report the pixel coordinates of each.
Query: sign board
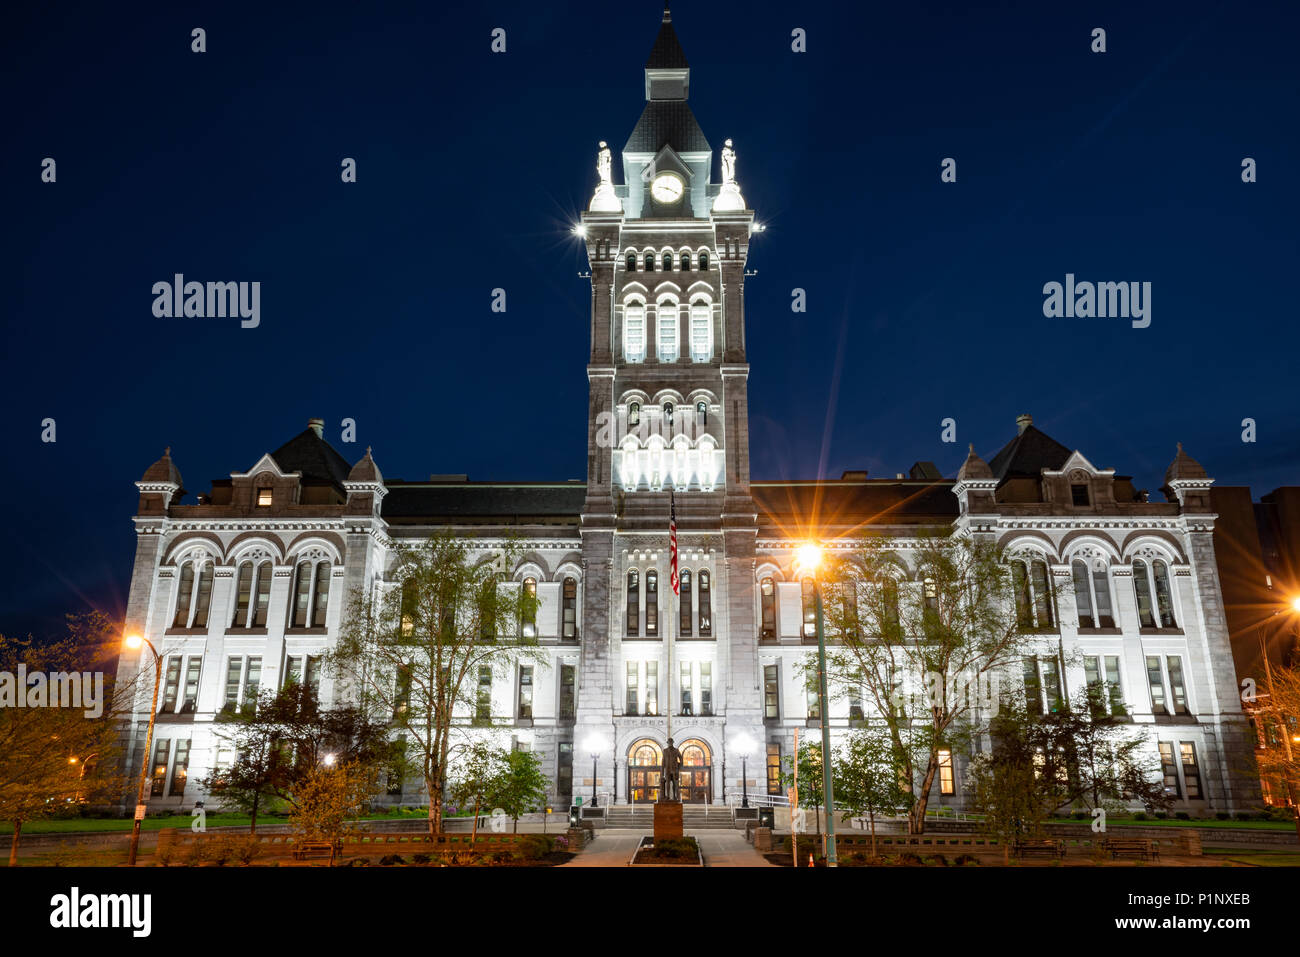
column 139, row 811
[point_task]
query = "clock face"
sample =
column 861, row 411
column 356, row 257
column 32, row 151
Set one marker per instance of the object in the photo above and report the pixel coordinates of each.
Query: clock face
column 667, row 188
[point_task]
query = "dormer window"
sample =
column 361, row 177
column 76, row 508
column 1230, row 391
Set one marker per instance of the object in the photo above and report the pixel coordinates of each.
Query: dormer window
column 263, row 498
column 1079, row 495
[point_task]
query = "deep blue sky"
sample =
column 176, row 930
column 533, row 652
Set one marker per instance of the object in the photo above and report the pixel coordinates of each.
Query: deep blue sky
column 924, row 298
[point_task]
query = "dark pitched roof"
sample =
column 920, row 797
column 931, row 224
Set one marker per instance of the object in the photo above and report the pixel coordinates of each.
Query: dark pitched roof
column 667, row 123
column 793, row 505
column 1028, row 454
column 315, row 458
column 487, row 502
column 164, row 470
column 667, row 53
column 366, row 471
column 1184, row 467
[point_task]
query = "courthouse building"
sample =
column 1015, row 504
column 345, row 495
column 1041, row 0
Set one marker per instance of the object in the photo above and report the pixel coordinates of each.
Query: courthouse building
column 245, row 587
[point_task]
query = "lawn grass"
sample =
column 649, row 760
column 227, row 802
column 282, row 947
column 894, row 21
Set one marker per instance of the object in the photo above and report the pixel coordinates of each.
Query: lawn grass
column 1175, row 822
column 72, row 825
column 1261, row 857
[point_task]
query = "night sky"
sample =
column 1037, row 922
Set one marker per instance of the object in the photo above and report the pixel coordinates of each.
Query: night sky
column 924, row 299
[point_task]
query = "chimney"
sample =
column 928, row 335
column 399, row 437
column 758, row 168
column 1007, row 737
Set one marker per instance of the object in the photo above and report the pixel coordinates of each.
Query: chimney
column 317, row 426
column 1023, row 422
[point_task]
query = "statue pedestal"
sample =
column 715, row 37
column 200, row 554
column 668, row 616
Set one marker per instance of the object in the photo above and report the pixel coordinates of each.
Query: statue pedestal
column 668, row 819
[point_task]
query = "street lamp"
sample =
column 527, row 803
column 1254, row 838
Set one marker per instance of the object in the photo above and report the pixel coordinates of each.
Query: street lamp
column 595, row 744
column 133, row 642
column 1286, row 736
column 744, row 744
column 809, row 560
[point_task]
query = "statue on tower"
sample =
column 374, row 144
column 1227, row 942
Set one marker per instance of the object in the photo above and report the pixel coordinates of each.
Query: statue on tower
column 603, row 164
column 729, row 199
column 604, row 200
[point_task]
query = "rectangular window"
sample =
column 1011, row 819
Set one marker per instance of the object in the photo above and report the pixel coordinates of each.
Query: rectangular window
column 1114, row 692
column 483, row 701
column 1179, row 693
column 243, row 595
column 947, row 784
column 814, row 701
column 525, row 691
column 684, row 686
column 855, row 704
column 1042, row 593
column 191, row 700
column 652, row 687
column 180, row 768
column 666, row 315
column 263, row 497
column 809, row 610
column 771, row 693
column 706, row 688
column 651, row 604
column 774, row 767
column 1101, row 587
column 1052, row 685
column 686, row 615
column 564, row 770
column 706, row 605
column 311, row 674
column 1170, row 769
column 1156, row 680
column 184, row 595
column 395, row 768
column 569, row 610
column 321, row 600
column 204, row 599
column 159, row 782
column 301, row 595
column 293, row 670
column 1079, row 495
column 632, row 703
column 1083, row 595
column 568, row 701
column 633, row 604
column 701, row 332
column 1191, row 775
column 171, row 683
column 263, row 595
column 234, row 680
column 767, row 603
column 1033, row 687
column 634, row 333
column 252, row 682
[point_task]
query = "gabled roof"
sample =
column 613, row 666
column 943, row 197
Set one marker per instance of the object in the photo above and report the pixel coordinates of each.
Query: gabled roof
column 487, row 502
column 667, row 123
column 315, row 458
column 667, row 53
column 1028, row 454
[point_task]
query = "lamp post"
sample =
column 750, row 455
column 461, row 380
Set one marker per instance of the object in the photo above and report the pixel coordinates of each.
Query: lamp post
column 810, row 559
column 744, row 745
column 595, row 744
column 136, row 641
column 81, row 774
column 1286, row 735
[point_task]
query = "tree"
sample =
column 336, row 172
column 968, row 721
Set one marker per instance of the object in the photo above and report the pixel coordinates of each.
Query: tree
column 420, row 650
column 1279, row 721
column 808, row 780
column 56, row 753
column 1078, row 756
column 475, row 775
column 278, row 743
column 520, row 785
column 924, row 652
column 868, row 777
column 326, row 798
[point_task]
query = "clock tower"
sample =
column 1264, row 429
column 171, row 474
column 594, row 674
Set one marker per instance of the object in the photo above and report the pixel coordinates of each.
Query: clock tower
column 668, row 412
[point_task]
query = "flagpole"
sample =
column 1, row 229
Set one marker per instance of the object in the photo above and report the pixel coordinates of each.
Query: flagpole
column 669, row 633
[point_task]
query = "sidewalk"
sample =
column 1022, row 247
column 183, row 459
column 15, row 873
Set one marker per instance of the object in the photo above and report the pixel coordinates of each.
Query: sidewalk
column 613, row 847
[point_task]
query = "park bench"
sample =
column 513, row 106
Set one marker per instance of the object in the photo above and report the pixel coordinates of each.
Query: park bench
column 315, row 849
column 1040, row 849
column 1137, row 847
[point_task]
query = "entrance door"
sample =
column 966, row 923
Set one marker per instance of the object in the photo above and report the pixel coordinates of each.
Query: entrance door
column 696, row 773
column 644, row 768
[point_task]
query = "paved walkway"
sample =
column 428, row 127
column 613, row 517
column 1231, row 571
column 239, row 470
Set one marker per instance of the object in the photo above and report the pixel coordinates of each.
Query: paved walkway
column 613, row 847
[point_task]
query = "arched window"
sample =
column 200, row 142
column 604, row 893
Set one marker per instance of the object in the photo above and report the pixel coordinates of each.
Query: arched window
column 633, row 603
column 530, row 608
column 1148, row 580
column 686, row 611
column 408, row 607
column 634, row 414
column 651, row 603
column 634, row 332
column 686, row 261
column 649, row 262
column 310, row 594
column 667, row 331
column 252, row 595
column 702, row 414
column 767, row 604
column 569, row 609
column 701, row 332
column 668, row 414
column 668, row 262
column 704, row 259
column 1033, row 599
column 193, row 594
column 706, row 606
column 631, row 262
column 1092, row 595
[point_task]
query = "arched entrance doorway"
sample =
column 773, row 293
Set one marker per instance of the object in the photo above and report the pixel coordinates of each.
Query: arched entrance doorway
column 645, row 767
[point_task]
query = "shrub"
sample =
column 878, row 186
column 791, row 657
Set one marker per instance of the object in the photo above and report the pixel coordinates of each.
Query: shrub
column 1080, row 815
column 421, row 859
column 1183, row 816
column 1245, row 816
column 392, row 860
column 938, row 860
column 1223, row 815
column 1140, row 816
column 966, row 860
column 533, row 847
column 910, row 859
column 246, row 849
column 676, row 847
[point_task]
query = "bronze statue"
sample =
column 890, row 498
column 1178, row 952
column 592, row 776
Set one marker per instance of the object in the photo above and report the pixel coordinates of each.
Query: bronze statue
column 670, row 788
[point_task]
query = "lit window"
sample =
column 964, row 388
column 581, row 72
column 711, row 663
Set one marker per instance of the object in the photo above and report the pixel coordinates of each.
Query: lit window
column 771, row 693
column 946, row 782
column 701, row 332
column 706, row 606
column 263, row 497
column 633, row 603
column 530, row 608
column 525, row 691
column 483, row 700
column 767, row 601
column 687, row 617
column 569, row 609
column 651, row 603
column 774, row 767
column 809, row 609
column 667, row 314
column 634, row 332
column 634, row 414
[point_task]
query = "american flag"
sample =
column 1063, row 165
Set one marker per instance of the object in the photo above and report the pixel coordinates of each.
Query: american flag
column 672, row 543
